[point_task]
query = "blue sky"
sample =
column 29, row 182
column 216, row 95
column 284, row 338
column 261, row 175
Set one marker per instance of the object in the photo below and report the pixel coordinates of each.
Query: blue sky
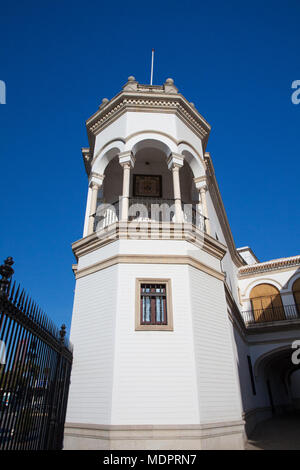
column 235, row 60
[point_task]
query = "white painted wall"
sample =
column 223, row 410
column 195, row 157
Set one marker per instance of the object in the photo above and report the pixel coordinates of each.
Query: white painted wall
column 154, row 371
column 218, row 389
column 227, row 264
column 92, row 334
column 242, row 349
column 116, row 130
column 146, row 247
column 123, row 376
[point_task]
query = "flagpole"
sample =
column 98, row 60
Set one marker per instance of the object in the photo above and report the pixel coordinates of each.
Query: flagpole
column 152, row 60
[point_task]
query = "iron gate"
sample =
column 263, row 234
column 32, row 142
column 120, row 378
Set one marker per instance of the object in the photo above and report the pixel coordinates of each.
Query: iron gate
column 35, row 367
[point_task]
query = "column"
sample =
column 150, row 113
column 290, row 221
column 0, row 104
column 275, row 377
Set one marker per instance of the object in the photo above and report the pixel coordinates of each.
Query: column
column 203, row 190
column 126, row 160
column 200, row 221
column 175, row 162
column 95, row 184
column 93, row 207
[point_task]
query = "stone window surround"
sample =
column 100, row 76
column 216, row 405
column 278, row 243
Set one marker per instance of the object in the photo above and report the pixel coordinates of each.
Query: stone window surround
column 138, row 325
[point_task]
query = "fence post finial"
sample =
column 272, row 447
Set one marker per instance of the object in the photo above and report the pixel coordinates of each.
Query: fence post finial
column 62, row 333
column 6, row 271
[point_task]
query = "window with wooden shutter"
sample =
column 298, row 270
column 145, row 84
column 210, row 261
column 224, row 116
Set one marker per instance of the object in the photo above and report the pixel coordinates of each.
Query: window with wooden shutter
column 266, row 303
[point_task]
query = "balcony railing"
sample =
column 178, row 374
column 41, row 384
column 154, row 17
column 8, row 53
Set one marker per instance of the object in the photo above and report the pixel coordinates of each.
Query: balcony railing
column 149, row 210
column 272, row 314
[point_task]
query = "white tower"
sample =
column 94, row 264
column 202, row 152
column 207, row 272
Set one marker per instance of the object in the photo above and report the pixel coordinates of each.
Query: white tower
column 154, row 364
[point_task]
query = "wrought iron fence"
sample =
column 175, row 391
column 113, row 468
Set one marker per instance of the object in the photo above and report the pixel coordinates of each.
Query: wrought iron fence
column 35, row 367
column 272, row 314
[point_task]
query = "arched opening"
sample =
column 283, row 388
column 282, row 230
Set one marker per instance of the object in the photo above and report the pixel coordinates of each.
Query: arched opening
column 296, row 294
column 273, row 368
column 107, row 208
column 266, row 303
column 189, row 193
column 106, row 156
column 149, row 194
column 112, row 184
column 274, row 372
column 151, row 184
column 278, row 391
column 150, row 177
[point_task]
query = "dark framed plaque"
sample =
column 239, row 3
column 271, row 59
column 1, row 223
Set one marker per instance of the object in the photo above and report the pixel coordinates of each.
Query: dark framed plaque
column 147, row 186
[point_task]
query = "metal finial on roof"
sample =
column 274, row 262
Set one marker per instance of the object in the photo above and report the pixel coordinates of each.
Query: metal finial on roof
column 152, row 61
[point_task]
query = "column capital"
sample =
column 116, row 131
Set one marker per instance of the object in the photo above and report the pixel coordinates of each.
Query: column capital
column 94, row 185
column 201, row 183
column 175, row 160
column 127, row 159
column 96, row 179
column 203, row 188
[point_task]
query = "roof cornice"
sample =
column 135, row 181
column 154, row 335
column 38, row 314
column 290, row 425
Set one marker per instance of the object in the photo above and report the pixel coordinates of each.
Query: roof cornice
column 272, row 265
column 147, row 99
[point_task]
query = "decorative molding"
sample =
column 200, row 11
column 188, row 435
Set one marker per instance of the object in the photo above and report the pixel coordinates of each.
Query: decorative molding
column 188, row 144
column 74, row 268
column 151, row 131
column 175, row 160
column 149, row 259
column 265, row 280
column 144, row 101
column 152, row 427
column 144, row 131
column 97, row 175
column 87, row 159
column 149, row 231
column 155, row 104
column 201, row 179
column 272, row 265
column 259, row 274
column 127, row 158
column 96, row 179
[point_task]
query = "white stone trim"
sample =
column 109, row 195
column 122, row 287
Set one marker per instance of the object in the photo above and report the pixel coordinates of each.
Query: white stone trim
column 127, row 158
column 291, row 281
column 264, row 280
column 169, row 302
column 214, row 436
column 175, row 159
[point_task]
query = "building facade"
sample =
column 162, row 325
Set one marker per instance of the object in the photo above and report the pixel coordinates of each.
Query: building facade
column 181, row 340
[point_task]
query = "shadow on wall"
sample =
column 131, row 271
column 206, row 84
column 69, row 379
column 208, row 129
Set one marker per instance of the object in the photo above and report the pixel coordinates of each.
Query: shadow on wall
column 270, row 385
